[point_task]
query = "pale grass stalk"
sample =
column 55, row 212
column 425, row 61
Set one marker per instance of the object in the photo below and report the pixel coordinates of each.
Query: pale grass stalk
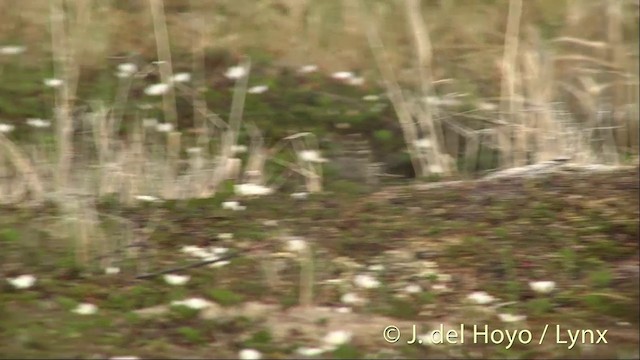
column 230, row 136
column 171, row 165
column 198, row 69
column 64, row 69
column 394, row 92
column 306, row 277
column 24, row 167
column 164, row 57
column 508, row 88
column 257, row 155
column 424, row 52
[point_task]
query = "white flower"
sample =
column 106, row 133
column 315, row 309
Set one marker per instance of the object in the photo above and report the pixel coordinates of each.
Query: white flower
column 296, row 245
column 366, row 281
column 309, row 351
column 125, row 70
column 38, row 123
column 147, row 198
column 376, row 267
column 52, row 83
column 6, row 128
column 342, row 75
column 542, row 287
column 219, row 264
column 235, row 72
column 511, row 318
column 480, row 298
column 149, row 122
column 181, row 77
column 156, row 89
column 193, row 303
column 352, row 299
column 251, row 189
column 190, row 249
column 85, row 309
column 337, row 338
column 343, row 310
column 219, row 250
column 439, row 288
column 230, row 205
column 164, row 127
column 308, row 69
column 423, row 143
column 259, row 89
column 311, row 156
column 299, row 195
column 124, row 358
column 173, row 279
column 12, row 50
column 225, row 236
column 112, row 270
column 22, row 281
column 371, row 98
column 355, row 81
column 238, row 149
column 413, row 289
column 249, row 354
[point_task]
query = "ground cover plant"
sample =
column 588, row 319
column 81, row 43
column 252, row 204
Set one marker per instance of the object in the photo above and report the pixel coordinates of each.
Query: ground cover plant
column 309, row 179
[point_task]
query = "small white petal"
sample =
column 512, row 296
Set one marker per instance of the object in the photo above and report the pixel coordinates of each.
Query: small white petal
column 352, row 299
column 423, row 143
column 376, row 267
column 156, row 89
column 164, row 127
column 173, row 279
column 511, row 318
column 6, row 128
column 480, row 298
column 259, row 89
column 311, row 156
column 413, row 289
column 112, row 270
column 193, row 303
column 542, row 287
column 371, row 98
column 220, row 264
column 225, row 236
column 22, row 281
column 251, row 189
column 249, row 354
column 85, row 309
column 53, row 83
column 12, row 50
column 337, row 338
column 124, row 358
column 342, row 75
column 299, row 195
column 308, row 69
column 296, row 245
column 181, row 77
column 38, row 123
column 310, row 351
column 235, row 72
column 147, row 198
column 366, row 281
